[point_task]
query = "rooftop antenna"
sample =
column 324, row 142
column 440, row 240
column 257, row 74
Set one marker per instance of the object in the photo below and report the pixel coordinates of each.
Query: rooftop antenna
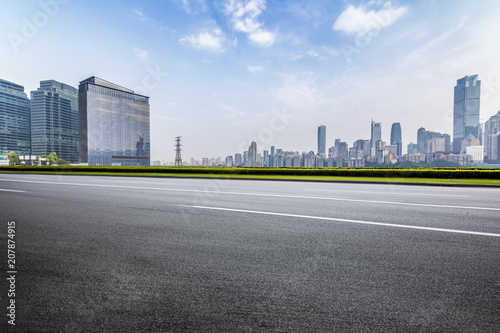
column 178, row 158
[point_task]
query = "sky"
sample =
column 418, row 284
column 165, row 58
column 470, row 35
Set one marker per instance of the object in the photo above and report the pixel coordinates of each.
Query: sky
column 227, row 72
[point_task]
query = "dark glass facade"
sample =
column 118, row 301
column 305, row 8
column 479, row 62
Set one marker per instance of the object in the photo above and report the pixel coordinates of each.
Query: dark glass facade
column 54, row 120
column 15, row 131
column 396, row 138
column 466, row 109
column 114, row 124
column 321, row 139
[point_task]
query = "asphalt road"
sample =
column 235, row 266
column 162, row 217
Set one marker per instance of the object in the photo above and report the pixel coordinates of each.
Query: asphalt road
column 117, row 254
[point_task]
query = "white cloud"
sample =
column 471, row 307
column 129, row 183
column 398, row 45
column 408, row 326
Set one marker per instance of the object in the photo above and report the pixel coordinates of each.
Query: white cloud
column 313, row 53
column 254, row 69
column 358, row 20
column 139, row 14
column 330, row 50
column 262, row 38
column 212, row 41
column 232, row 112
column 143, row 54
column 194, row 5
column 244, row 18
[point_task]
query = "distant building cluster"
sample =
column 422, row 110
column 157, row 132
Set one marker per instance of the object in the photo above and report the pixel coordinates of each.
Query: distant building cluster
column 100, row 123
column 472, row 143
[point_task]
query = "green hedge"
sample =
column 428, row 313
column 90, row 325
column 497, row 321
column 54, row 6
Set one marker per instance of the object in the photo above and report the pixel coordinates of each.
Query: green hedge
column 441, row 173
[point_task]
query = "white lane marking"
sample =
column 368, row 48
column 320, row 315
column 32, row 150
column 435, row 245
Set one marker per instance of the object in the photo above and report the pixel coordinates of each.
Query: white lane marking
column 260, row 195
column 391, row 192
column 350, row 221
column 6, row 190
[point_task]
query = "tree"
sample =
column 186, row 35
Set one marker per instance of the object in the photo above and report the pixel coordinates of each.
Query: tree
column 52, row 158
column 14, row 159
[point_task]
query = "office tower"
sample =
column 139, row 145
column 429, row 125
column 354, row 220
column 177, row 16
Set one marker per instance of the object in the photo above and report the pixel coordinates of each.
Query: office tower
column 379, row 151
column 272, row 157
column 343, row 151
column 362, row 148
column 266, row 158
column 229, row 161
column 492, row 137
column 436, row 144
column 321, row 139
column 466, row 109
column 421, row 144
column 252, row 152
column 238, row 159
column 337, row 143
column 114, row 124
column 396, row 138
column 447, row 139
column 332, row 152
column 376, row 135
column 54, row 120
column 412, row 149
column 15, row 131
column 245, row 157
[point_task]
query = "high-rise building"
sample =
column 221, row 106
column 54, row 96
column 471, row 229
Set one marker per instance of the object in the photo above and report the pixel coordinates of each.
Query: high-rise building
column 237, row 159
column 343, row 151
column 265, row 161
column 321, row 139
column 376, row 135
column 114, row 124
column 492, row 137
column 412, row 149
column 252, row 153
column 421, row 144
column 54, row 120
column 466, row 109
column 396, row 138
column 15, row 131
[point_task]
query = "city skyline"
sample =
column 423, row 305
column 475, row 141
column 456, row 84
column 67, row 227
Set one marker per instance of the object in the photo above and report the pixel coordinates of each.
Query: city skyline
column 221, row 84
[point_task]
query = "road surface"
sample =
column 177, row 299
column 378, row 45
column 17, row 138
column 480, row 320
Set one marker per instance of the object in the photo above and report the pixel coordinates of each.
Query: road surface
column 130, row 254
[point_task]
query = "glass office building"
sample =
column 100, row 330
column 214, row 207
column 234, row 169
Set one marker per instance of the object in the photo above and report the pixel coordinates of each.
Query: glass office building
column 15, row 131
column 321, row 139
column 396, row 138
column 376, row 135
column 466, row 109
column 114, row 124
column 54, row 120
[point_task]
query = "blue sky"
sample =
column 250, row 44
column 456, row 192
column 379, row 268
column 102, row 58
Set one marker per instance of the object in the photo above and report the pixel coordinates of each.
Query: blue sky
column 223, row 73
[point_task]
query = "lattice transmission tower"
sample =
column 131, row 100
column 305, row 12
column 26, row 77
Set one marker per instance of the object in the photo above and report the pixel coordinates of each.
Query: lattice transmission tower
column 178, row 158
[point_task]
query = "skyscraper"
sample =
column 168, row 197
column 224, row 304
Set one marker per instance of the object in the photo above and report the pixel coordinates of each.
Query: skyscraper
column 54, row 120
column 321, row 139
column 492, row 137
column 114, row 124
column 376, row 135
column 396, row 139
column 421, row 144
column 466, row 109
column 15, row 131
column 252, row 153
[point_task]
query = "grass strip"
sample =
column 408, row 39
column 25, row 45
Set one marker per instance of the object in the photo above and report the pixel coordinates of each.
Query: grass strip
column 269, row 177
